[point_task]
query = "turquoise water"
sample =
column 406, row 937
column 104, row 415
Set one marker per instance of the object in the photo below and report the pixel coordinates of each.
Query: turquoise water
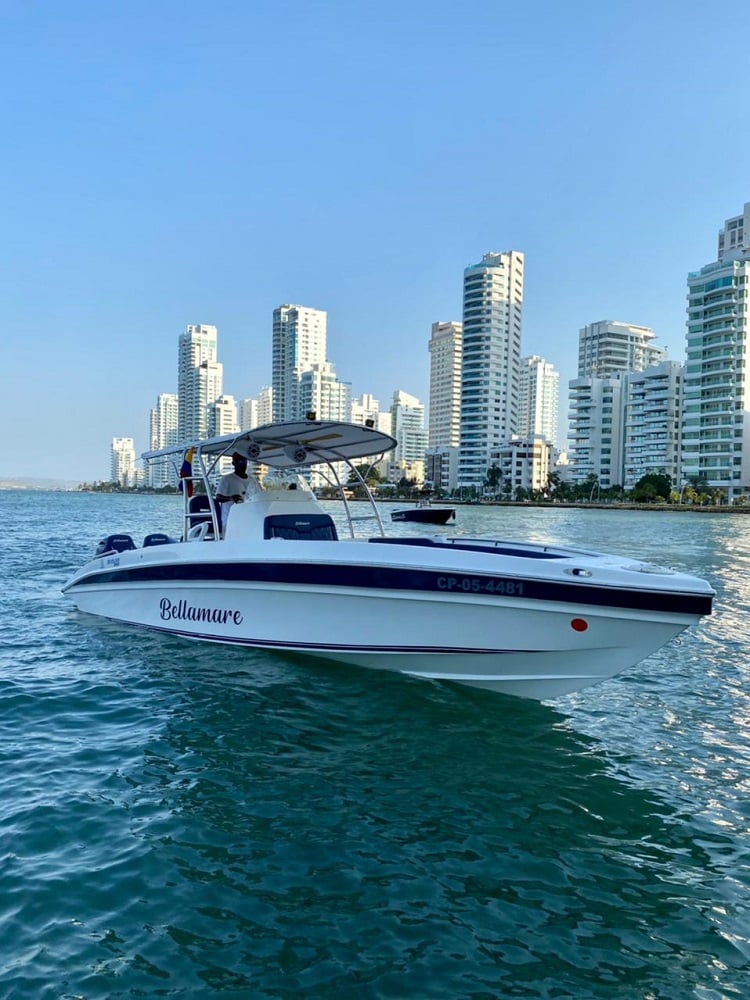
column 179, row 820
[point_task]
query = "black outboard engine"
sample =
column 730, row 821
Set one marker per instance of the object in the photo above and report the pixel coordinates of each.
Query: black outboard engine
column 114, row 543
column 158, row 538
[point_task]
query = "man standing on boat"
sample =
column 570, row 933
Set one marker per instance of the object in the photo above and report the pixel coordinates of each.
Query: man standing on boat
column 232, row 487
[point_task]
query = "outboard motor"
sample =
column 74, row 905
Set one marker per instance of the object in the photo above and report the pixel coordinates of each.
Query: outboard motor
column 158, row 538
column 114, row 543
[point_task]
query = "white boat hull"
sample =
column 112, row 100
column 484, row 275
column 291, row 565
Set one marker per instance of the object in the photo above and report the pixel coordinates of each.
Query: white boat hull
column 485, row 620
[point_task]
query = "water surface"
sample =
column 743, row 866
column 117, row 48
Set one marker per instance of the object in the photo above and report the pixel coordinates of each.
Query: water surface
column 181, row 820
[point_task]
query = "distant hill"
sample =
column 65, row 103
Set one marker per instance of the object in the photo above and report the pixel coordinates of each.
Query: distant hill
column 19, row 483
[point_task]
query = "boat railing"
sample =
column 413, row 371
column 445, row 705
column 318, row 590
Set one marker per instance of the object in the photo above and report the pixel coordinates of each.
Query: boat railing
column 202, row 518
column 485, row 545
column 201, row 512
column 334, row 480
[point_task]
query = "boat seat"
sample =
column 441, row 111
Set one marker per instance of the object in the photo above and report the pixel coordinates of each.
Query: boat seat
column 115, row 543
column 199, row 511
column 301, row 527
column 157, row 538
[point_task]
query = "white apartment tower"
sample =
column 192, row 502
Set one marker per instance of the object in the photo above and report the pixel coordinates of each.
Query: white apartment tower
column 538, row 399
column 653, row 401
column 365, row 408
column 321, row 393
column 222, row 416
column 122, row 468
column 597, row 429
column 492, row 307
column 265, row 406
column 257, row 411
column 222, row 419
column 299, row 342
column 716, row 409
column 446, row 348
column 162, row 434
column 248, row 414
column 524, row 464
column 607, row 352
column 407, row 427
column 199, row 381
column 446, row 355
column 607, row 347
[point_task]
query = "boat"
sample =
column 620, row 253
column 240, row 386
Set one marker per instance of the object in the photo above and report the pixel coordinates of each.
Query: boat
column 273, row 573
column 423, row 512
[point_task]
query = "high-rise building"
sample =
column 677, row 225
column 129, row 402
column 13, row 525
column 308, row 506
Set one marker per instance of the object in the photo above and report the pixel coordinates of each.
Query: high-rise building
column 492, row 308
column 321, row 393
column 299, row 342
column 199, row 381
column 122, row 468
column 538, row 399
column 626, row 425
column 524, row 464
column 407, row 427
column 716, row 410
column 653, row 405
column 446, row 347
column 222, row 419
column 441, row 458
column 265, row 406
column 607, row 352
column 163, row 434
column 607, row 347
column 257, row 411
column 365, row 408
column 597, row 429
column 222, row 416
column 248, row 414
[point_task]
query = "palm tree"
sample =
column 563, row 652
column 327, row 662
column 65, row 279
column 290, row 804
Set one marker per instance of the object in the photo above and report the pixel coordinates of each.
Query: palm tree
column 493, row 480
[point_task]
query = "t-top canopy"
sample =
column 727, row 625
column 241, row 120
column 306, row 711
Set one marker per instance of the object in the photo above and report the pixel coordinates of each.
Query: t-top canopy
column 293, row 444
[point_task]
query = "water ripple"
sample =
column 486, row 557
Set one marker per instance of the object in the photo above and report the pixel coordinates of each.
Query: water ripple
column 290, row 828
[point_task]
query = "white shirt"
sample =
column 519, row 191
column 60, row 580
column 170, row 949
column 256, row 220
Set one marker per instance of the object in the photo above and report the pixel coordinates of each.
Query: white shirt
column 232, row 485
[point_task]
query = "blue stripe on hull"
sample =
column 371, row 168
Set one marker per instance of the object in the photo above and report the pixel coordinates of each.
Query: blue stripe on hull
column 384, row 578
column 327, row 647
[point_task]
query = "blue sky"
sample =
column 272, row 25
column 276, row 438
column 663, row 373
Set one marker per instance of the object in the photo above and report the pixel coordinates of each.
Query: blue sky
column 170, row 163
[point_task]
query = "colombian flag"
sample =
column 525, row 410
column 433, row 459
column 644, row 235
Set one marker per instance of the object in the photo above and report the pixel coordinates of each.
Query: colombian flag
column 186, row 472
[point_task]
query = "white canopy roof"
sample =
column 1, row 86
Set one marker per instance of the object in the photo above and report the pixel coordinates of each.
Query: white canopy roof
column 293, row 444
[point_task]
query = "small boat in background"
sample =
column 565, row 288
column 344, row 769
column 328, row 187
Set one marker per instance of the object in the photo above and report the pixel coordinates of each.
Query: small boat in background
column 424, row 513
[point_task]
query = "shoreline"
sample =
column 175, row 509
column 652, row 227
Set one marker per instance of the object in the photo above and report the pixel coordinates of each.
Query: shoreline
column 571, row 504
column 549, row 504
column 615, row 505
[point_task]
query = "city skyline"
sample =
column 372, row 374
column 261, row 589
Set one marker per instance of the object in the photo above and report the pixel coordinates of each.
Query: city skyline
column 160, row 172
column 632, row 410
